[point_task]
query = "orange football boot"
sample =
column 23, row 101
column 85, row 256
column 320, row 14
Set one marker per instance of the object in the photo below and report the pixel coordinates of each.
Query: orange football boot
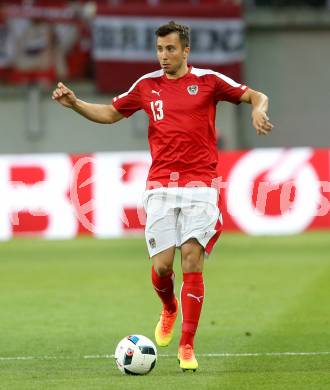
column 186, row 358
column 165, row 326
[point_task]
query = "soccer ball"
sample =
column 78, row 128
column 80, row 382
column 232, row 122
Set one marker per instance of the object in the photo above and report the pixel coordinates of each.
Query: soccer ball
column 136, row 355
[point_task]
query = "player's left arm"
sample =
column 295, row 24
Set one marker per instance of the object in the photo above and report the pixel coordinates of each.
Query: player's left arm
column 259, row 102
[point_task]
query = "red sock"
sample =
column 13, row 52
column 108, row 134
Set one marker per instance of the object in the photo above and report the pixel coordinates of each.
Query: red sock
column 192, row 297
column 164, row 287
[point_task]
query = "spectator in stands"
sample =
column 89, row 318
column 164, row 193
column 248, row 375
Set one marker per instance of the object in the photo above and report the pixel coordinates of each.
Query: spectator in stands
column 6, row 48
column 35, row 54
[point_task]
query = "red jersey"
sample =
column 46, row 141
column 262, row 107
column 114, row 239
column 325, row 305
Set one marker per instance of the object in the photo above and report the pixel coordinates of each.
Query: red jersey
column 181, row 113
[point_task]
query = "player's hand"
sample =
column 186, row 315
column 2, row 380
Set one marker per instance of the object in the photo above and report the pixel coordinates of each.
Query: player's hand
column 64, row 95
column 261, row 122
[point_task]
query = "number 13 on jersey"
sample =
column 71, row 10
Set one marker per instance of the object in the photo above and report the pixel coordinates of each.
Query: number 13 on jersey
column 157, row 110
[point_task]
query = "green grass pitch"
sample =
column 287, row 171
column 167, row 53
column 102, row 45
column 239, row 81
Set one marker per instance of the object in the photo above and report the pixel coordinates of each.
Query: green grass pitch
column 65, row 305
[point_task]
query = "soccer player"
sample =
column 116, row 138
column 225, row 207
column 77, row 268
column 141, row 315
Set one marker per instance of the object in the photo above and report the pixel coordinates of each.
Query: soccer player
column 181, row 198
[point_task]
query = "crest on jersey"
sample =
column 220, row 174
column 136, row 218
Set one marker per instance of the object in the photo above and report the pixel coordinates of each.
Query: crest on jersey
column 192, row 89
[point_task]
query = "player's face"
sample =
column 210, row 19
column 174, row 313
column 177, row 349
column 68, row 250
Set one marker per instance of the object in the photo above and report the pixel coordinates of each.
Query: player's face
column 171, row 56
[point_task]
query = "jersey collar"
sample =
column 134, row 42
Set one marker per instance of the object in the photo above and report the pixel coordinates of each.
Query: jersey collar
column 179, row 78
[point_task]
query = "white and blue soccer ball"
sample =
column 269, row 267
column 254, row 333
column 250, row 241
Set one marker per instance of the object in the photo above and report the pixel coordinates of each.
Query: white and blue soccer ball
column 136, row 355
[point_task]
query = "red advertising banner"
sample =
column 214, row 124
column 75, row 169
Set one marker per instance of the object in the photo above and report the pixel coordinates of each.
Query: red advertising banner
column 263, row 191
column 124, row 40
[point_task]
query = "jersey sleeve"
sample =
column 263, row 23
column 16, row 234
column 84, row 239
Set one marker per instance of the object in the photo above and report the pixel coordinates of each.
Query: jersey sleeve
column 128, row 102
column 227, row 89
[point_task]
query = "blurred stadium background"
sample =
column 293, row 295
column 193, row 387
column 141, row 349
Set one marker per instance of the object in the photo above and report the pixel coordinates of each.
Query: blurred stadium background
column 99, row 49
column 62, row 176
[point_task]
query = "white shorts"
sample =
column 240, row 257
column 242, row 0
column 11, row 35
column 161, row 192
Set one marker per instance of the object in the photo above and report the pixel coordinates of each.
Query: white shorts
column 174, row 215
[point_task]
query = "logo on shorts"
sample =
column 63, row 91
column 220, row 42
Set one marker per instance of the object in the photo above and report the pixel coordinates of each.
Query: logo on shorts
column 152, row 243
column 192, row 89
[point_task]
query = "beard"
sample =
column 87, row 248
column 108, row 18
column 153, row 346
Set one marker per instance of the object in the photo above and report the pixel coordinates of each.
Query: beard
column 173, row 70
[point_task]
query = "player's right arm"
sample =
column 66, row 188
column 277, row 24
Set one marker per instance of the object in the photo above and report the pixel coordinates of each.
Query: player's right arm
column 100, row 113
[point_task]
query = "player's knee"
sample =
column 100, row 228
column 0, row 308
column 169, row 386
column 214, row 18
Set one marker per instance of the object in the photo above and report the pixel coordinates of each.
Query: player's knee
column 163, row 269
column 192, row 257
column 163, row 262
column 192, row 263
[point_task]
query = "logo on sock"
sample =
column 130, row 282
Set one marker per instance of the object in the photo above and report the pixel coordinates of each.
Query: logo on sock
column 194, row 296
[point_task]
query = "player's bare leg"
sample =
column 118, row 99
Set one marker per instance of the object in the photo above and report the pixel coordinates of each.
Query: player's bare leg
column 192, row 297
column 163, row 282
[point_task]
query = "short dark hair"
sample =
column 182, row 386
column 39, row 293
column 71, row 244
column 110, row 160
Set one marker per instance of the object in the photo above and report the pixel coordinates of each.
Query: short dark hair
column 170, row 27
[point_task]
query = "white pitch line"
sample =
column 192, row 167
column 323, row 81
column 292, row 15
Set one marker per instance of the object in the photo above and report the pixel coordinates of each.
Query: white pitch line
column 247, row 354
column 224, row 354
